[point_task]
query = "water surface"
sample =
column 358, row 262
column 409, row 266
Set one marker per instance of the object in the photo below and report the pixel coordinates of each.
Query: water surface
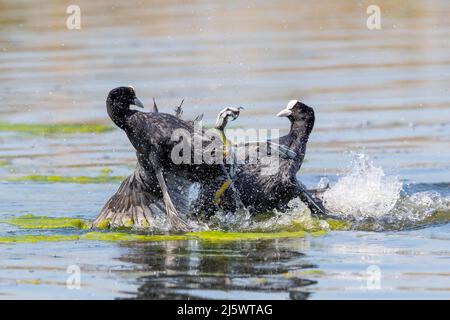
column 382, row 93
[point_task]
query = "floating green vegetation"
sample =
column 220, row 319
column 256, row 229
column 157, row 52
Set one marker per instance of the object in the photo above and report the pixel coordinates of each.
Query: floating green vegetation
column 102, row 178
column 314, row 272
column 203, row 235
column 30, row 221
column 29, row 281
column 104, row 224
column 305, row 222
column 210, row 236
column 338, row 225
column 238, row 236
column 38, row 238
column 43, row 222
column 123, row 236
column 302, row 273
column 47, row 129
column 92, row 236
column 318, row 226
column 319, row 233
column 308, row 224
column 4, row 163
column 106, row 171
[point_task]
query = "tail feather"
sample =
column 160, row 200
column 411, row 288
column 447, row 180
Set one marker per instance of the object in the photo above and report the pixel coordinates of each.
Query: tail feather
column 131, row 206
column 136, row 204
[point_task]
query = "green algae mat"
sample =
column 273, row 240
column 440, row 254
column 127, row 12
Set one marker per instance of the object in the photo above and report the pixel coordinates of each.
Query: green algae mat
column 48, row 129
column 30, row 221
column 41, row 223
column 103, row 178
column 212, row 236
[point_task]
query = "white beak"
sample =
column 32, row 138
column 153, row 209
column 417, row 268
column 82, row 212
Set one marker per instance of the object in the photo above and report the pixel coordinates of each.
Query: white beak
column 284, row 113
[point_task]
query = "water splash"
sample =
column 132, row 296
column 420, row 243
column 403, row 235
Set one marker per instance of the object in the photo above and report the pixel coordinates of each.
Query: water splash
column 373, row 200
column 365, row 198
column 365, row 191
column 296, row 218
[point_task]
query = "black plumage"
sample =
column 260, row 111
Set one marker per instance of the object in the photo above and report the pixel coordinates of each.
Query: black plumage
column 263, row 188
column 151, row 136
column 271, row 182
column 160, row 187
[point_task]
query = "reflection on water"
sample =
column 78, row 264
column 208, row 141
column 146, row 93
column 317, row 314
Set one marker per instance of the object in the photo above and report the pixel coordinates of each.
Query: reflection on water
column 219, row 270
column 384, row 92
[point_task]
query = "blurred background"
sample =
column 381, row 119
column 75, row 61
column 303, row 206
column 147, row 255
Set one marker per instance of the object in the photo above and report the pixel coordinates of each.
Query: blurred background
column 384, row 91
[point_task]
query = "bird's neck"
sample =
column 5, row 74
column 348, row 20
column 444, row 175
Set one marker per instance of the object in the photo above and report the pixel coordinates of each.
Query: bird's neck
column 299, row 132
column 299, row 135
column 118, row 112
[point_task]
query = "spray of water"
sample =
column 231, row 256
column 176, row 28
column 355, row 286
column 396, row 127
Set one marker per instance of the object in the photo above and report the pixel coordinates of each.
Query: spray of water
column 376, row 201
column 365, row 191
column 364, row 196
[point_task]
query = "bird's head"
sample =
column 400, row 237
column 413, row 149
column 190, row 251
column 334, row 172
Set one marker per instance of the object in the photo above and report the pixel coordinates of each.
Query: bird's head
column 122, row 98
column 225, row 115
column 296, row 111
